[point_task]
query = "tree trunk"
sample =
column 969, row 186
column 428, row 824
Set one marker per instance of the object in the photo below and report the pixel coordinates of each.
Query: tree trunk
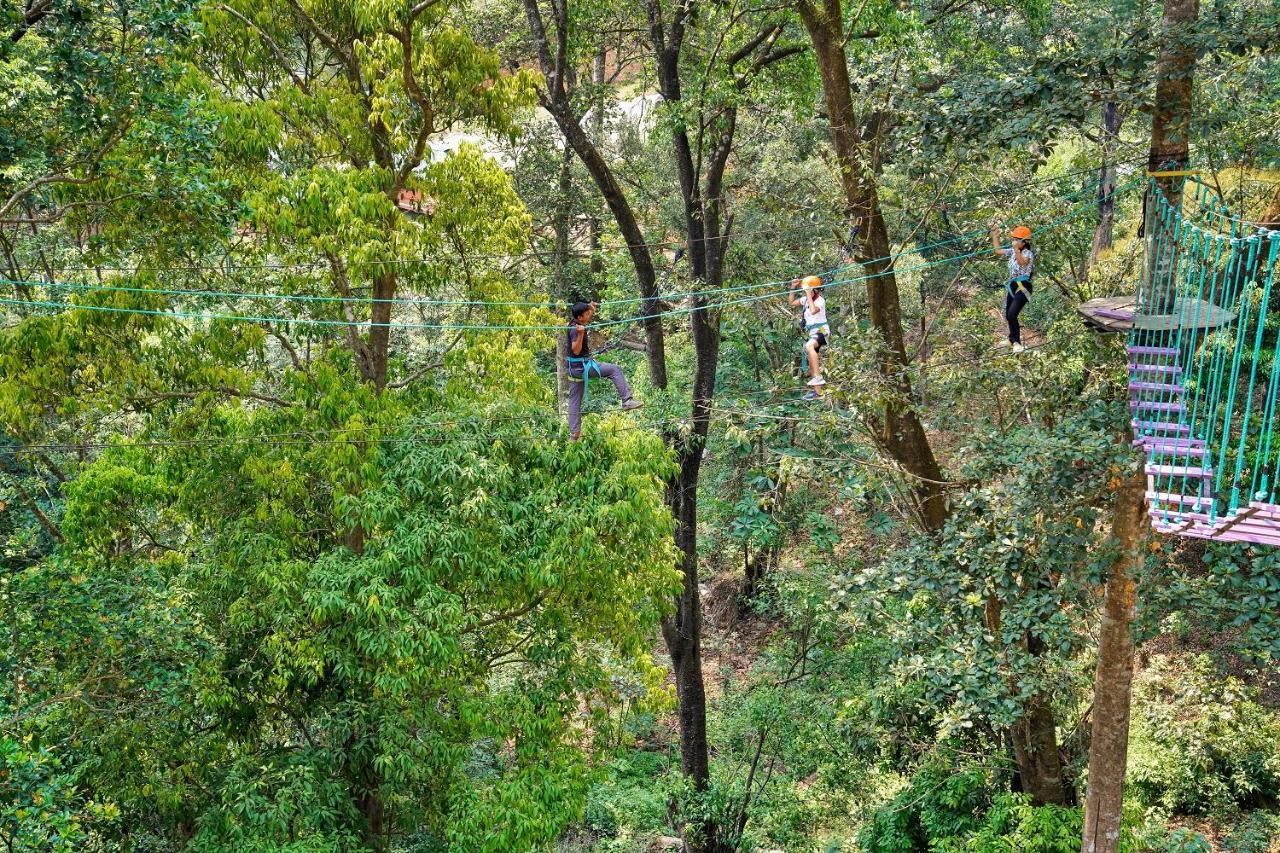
column 682, row 631
column 1171, row 110
column 560, row 262
column 1170, row 144
column 1034, row 737
column 1112, row 691
column 1112, row 120
column 597, row 137
column 555, row 99
column 1035, row 747
column 900, row 432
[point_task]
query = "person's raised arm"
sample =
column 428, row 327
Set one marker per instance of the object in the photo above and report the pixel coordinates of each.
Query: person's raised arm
column 791, row 293
column 995, row 238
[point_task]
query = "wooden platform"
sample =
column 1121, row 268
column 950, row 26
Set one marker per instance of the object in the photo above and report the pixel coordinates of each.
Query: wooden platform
column 1115, row 314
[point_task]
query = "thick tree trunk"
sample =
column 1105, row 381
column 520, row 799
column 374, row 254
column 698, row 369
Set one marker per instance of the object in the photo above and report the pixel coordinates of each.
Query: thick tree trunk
column 1170, row 143
column 900, row 431
column 1171, row 109
column 1112, row 690
column 1035, row 747
column 682, row 631
column 1109, row 743
column 629, row 226
column 1034, row 737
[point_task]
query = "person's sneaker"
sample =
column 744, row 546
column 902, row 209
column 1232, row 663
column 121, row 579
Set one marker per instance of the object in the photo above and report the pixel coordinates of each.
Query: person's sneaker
column 816, row 381
column 631, row 405
column 1017, row 347
column 811, row 395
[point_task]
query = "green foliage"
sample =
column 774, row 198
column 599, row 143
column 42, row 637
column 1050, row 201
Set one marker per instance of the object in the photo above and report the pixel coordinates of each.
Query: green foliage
column 1201, row 743
column 944, row 800
column 1256, row 832
column 40, row 808
column 1014, row 824
column 629, row 798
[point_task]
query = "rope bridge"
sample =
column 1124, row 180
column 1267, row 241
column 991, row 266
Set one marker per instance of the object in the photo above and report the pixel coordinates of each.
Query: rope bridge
column 1203, row 368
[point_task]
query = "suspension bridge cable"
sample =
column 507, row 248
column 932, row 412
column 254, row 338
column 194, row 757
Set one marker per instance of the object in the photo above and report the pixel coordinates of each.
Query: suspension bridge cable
column 427, row 301
column 310, row 321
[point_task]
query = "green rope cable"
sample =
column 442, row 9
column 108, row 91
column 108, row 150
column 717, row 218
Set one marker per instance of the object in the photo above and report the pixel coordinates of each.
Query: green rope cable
column 1223, row 338
column 283, row 297
column 506, row 327
column 1200, row 385
column 1181, row 246
column 1253, row 372
column 1258, row 482
column 1241, row 324
column 1158, row 285
column 1186, row 414
column 1265, row 488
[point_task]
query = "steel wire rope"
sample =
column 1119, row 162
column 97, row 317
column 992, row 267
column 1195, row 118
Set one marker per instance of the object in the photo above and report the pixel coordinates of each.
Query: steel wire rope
column 428, row 301
column 308, row 321
column 297, row 297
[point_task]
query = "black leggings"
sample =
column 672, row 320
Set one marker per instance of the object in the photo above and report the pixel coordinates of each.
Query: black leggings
column 1013, row 305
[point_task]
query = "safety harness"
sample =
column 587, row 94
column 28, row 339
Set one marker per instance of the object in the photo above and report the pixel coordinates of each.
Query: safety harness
column 1018, row 282
column 586, row 362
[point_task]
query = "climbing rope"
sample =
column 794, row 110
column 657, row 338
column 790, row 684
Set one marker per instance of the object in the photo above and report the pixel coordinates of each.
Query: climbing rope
column 1203, row 369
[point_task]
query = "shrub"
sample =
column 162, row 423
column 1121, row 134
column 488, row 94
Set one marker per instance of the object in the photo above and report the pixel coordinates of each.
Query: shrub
column 1201, row 744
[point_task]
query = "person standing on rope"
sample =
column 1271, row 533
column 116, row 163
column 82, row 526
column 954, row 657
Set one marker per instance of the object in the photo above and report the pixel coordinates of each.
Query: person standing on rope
column 815, row 327
column 581, row 367
column 1018, row 287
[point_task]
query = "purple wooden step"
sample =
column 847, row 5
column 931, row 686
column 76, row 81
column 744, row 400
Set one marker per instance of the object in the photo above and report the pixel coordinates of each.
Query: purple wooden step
column 1161, row 426
column 1224, row 529
column 1155, row 386
column 1171, row 498
column 1158, row 407
column 1113, row 313
column 1179, row 471
column 1172, row 444
column 1257, row 522
column 1233, row 535
column 1180, row 450
column 1151, row 350
column 1134, row 367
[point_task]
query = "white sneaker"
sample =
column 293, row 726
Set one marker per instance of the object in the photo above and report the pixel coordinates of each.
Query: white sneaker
column 1017, row 347
column 631, row 405
column 817, row 380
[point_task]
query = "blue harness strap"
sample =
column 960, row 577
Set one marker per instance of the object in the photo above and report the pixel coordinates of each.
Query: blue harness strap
column 587, row 363
column 1016, row 283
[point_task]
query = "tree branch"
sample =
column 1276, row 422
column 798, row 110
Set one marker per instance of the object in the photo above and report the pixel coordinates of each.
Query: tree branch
column 45, row 521
column 229, row 390
column 271, row 44
column 36, row 11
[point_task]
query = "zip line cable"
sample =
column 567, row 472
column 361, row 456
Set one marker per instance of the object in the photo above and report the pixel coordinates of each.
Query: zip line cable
column 526, row 327
column 463, row 302
column 254, row 295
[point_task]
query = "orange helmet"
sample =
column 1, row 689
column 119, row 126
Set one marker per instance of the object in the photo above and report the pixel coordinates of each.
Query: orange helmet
column 1022, row 232
column 811, row 281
